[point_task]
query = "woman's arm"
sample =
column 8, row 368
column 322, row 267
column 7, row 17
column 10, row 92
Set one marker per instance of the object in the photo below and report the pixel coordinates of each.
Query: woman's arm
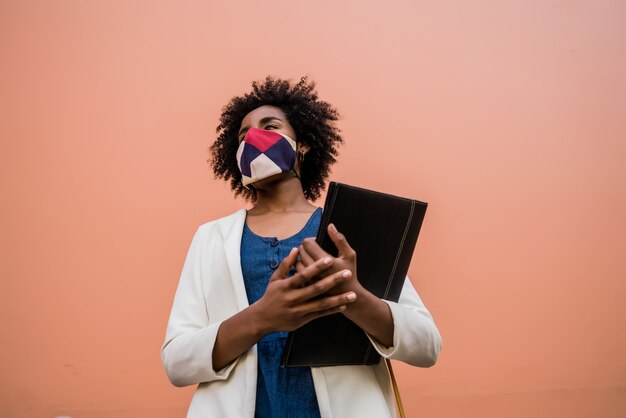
column 286, row 305
column 416, row 339
column 404, row 330
column 196, row 350
column 184, row 352
column 369, row 312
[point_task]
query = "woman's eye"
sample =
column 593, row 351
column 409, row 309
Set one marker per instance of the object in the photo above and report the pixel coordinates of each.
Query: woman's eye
column 267, row 127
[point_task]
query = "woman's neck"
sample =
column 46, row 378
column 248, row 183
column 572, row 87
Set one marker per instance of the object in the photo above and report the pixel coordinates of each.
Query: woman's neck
column 281, row 196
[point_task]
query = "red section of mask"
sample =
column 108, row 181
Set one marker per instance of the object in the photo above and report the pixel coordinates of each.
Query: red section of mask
column 261, row 138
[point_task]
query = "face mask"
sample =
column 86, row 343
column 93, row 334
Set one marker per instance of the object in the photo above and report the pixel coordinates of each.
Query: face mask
column 264, row 153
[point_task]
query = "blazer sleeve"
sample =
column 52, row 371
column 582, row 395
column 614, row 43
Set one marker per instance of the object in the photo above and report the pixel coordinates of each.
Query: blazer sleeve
column 187, row 353
column 416, row 339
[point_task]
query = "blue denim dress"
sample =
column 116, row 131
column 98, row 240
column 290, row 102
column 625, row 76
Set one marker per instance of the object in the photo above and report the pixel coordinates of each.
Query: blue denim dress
column 281, row 392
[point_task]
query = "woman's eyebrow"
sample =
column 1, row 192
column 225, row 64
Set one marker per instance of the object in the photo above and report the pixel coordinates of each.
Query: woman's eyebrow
column 262, row 121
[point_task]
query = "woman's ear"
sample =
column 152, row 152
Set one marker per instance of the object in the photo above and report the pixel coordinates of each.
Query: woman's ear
column 303, row 148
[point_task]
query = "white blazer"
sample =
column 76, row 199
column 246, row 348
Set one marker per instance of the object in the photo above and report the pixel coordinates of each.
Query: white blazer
column 211, row 289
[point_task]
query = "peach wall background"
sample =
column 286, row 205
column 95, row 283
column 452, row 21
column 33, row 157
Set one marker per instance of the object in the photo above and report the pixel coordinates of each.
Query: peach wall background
column 507, row 117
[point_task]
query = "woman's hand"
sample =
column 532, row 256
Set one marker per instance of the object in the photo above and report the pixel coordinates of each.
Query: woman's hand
column 311, row 252
column 287, row 304
column 290, row 302
column 368, row 311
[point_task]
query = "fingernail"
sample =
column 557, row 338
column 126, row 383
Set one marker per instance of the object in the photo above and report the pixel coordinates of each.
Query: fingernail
column 346, row 273
column 327, row 260
column 332, row 226
column 351, row 296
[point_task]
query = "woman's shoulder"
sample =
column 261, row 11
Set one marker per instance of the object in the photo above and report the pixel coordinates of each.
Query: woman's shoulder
column 225, row 222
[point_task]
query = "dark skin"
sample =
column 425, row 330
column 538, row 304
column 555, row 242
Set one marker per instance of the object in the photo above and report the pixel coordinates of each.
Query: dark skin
column 322, row 285
column 281, row 209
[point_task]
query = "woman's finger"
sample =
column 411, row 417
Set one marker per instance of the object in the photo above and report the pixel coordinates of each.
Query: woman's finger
column 312, row 249
column 345, row 250
column 309, row 272
column 282, row 271
column 305, row 256
column 329, row 302
column 323, row 285
column 319, row 314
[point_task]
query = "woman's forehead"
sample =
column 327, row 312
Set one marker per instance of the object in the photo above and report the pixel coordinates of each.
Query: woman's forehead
column 261, row 112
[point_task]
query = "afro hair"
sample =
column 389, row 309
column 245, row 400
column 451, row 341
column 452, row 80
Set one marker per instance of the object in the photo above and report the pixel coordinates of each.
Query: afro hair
column 311, row 118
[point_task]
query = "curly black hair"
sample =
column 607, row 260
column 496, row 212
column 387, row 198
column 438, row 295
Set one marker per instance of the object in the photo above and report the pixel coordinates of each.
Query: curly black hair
column 311, row 118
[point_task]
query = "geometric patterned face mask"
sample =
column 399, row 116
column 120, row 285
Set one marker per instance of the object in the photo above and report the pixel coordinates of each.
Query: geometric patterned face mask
column 264, row 153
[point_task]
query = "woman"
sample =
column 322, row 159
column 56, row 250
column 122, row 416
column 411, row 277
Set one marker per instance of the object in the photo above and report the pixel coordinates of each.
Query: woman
column 254, row 275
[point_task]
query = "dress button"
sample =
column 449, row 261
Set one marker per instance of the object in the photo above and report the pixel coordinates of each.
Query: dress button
column 274, row 264
column 274, row 242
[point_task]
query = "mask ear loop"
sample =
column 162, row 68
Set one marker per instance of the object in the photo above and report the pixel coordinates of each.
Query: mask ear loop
column 300, row 158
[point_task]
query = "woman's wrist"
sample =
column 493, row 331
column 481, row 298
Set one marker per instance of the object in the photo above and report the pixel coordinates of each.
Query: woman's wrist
column 259, row 325
column 363, row 302
column 235, row 336
column 372, row 315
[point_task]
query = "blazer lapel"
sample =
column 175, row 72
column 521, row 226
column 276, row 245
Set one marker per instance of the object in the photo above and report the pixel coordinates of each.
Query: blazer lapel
column 231, row 229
